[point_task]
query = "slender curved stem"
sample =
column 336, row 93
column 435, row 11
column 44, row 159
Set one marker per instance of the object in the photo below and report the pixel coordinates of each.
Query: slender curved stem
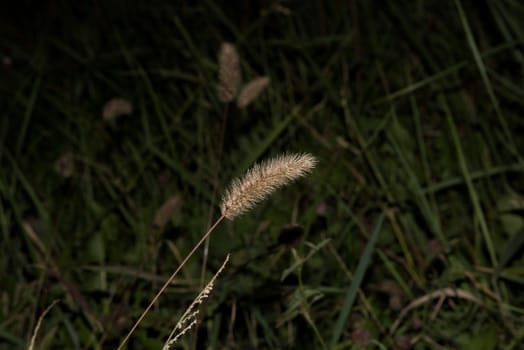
column 168, row 282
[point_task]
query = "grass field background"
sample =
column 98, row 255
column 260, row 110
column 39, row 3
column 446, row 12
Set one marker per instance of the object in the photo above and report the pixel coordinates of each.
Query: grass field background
column 409, row 234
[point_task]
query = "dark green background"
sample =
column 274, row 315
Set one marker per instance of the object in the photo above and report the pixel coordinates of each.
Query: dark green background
column 414, row 110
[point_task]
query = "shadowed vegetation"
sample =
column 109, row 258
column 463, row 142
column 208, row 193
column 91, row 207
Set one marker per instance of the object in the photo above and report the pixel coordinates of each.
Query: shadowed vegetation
column 116, row 149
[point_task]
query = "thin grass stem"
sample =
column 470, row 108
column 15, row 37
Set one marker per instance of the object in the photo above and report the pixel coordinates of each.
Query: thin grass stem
column 168, row 282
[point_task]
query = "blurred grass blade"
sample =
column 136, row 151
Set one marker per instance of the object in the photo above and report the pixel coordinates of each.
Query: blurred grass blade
column 474, row 196
column 269, row 139
column 483, row 73
column 511, row 248
column 301, row 262
column 27, row 115
column 357, row 280
column 6, row 337
column 393, row 271
column 517, row 339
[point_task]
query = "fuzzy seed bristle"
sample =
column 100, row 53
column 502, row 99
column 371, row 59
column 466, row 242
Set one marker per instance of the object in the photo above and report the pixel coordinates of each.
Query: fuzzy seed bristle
column 263, row 179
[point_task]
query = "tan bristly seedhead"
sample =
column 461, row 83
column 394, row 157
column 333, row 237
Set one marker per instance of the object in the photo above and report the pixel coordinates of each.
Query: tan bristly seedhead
column 263, row 179
column 251, row 91
column 229, row 74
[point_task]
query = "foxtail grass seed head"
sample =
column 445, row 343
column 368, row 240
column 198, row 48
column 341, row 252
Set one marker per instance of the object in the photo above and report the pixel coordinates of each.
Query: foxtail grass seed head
column 190, row 317
column 229, row 74
column 65, row 165
column 115, row 108
column 263, row 179
column 251, row 91
column 166, row 211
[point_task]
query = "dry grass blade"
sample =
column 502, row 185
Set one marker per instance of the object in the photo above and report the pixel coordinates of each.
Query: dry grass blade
column 251, row 91
column 189, row 318
column 438, row 294
column 262, row 179
column 229, row 74
column 168, row 282
column 39, row 324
